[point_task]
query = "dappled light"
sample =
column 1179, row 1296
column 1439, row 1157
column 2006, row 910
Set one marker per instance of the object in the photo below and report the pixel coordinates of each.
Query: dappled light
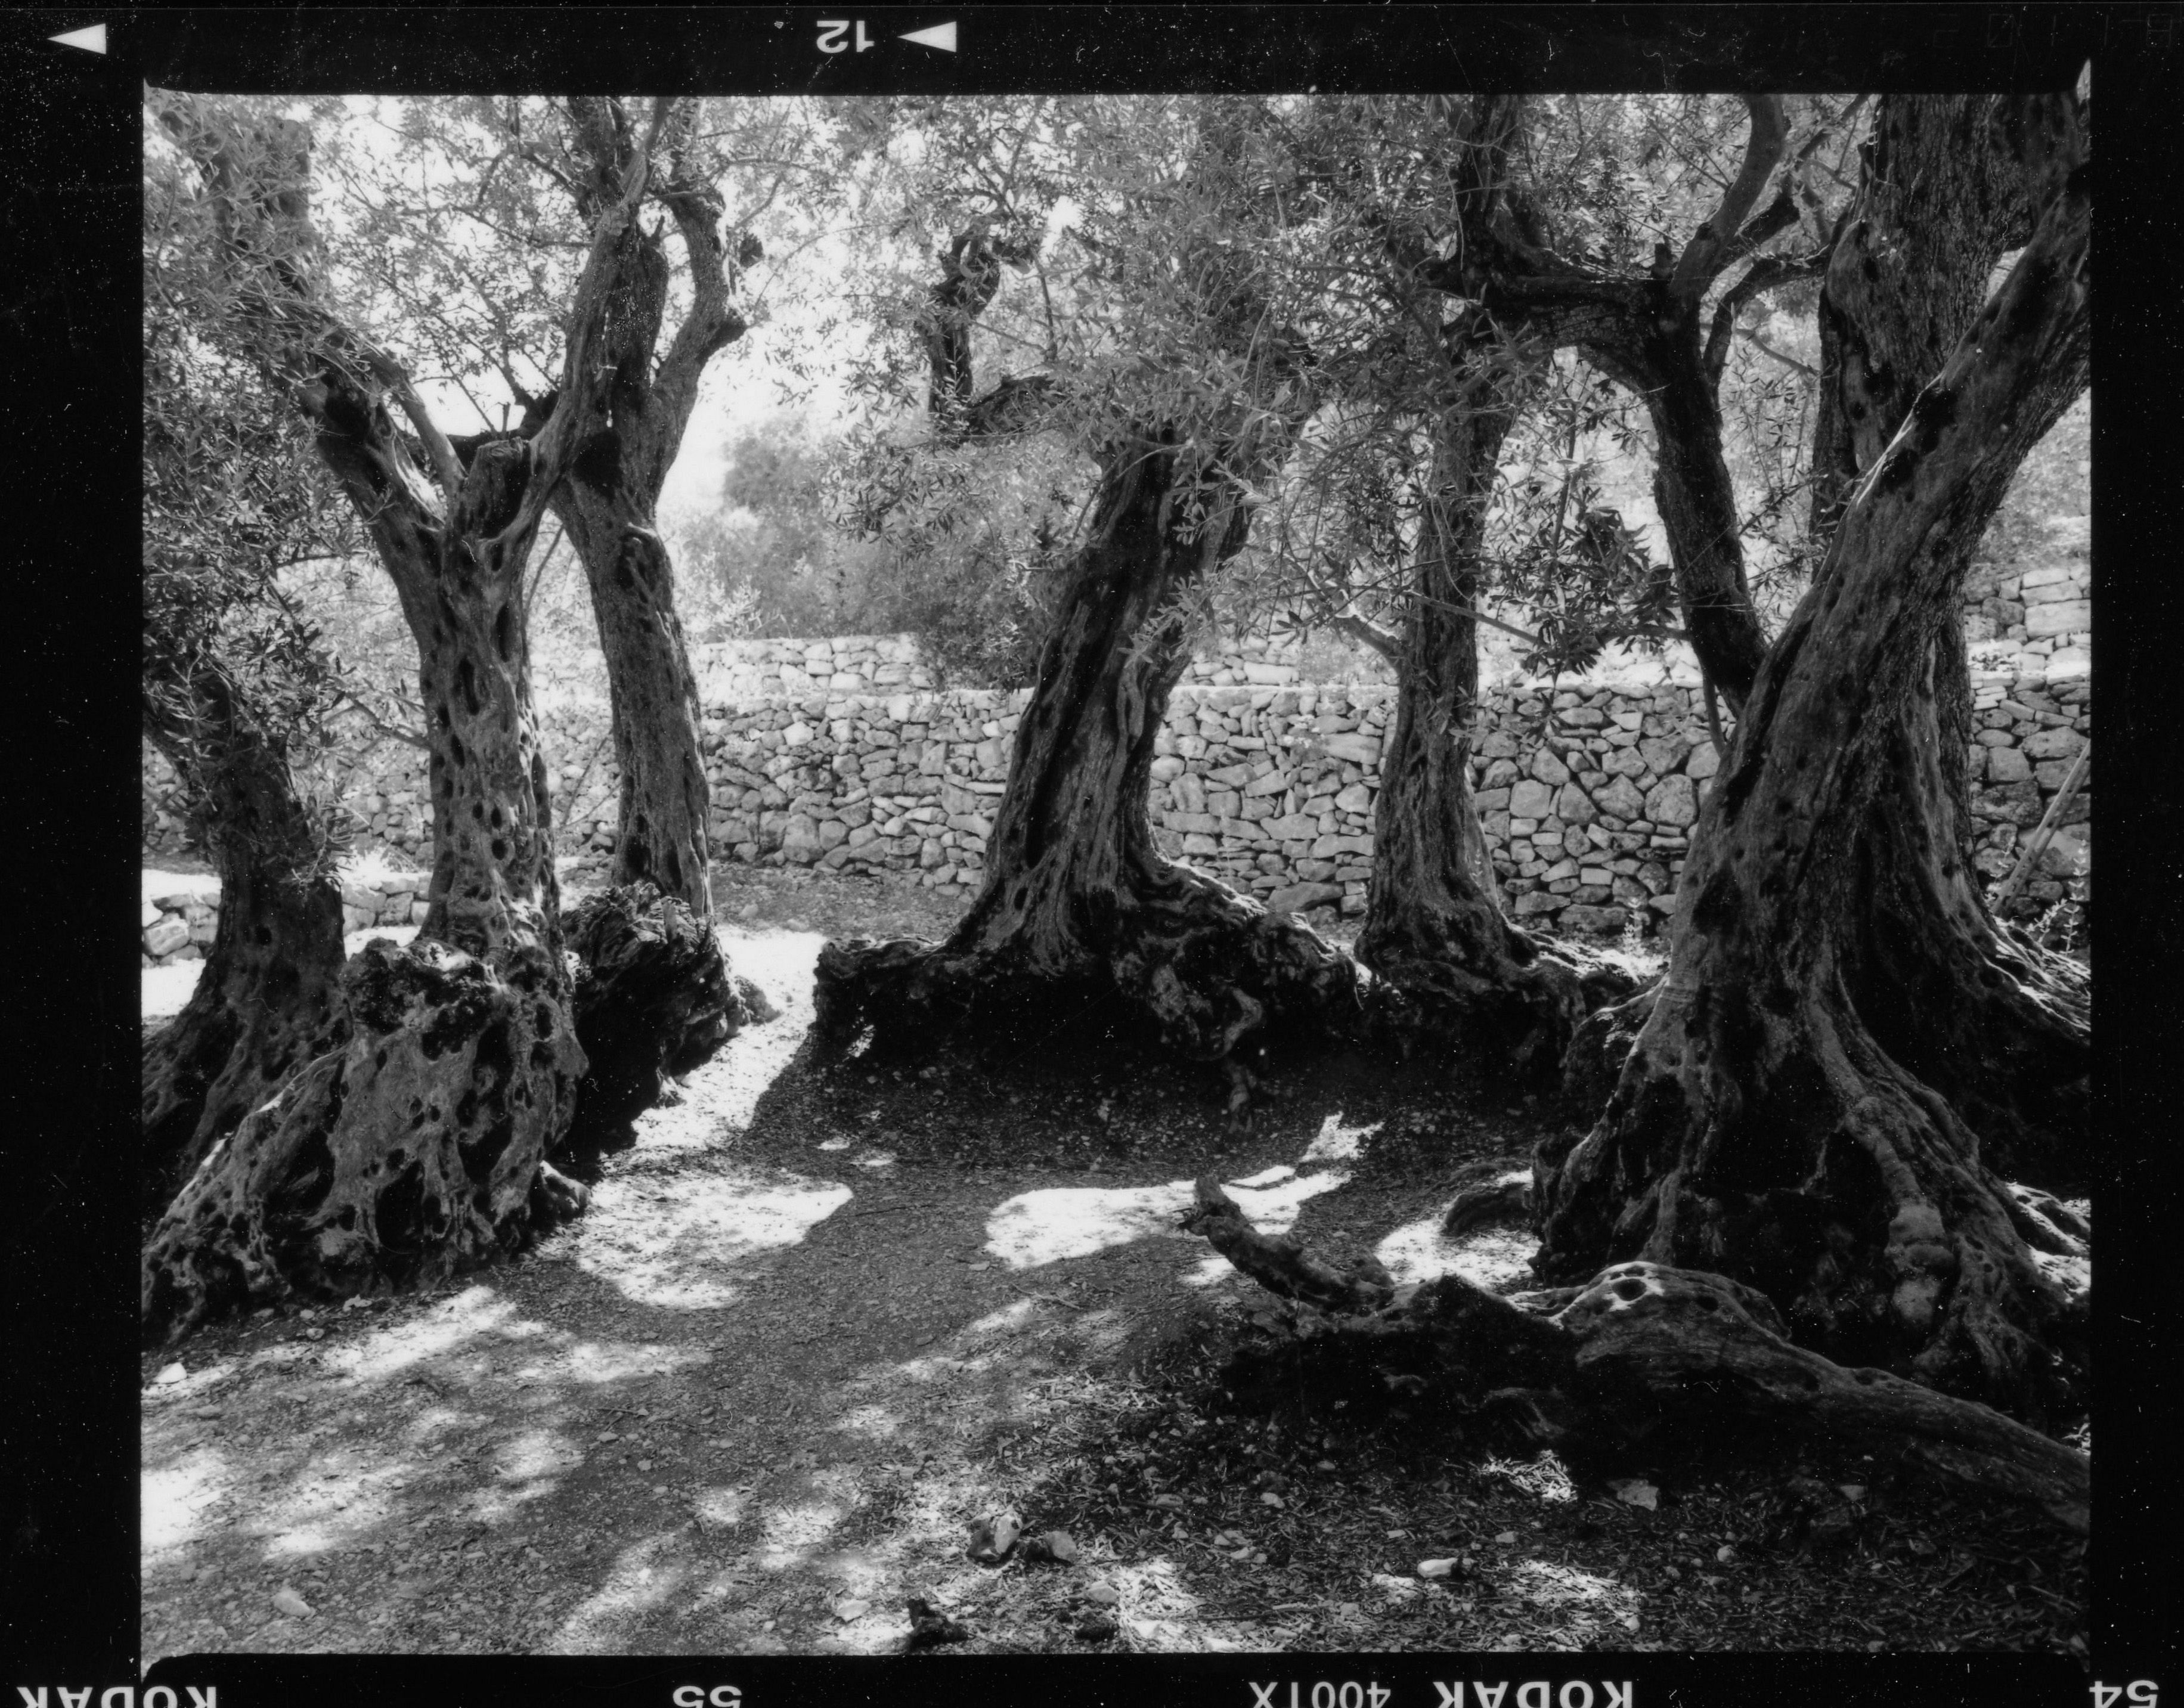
column 172, row 1496
column 1057, row 1223
column 1065, row 1221
column 1491, row 1256
column 643, row 1577
column 673, row 1244
column 1590, row 1601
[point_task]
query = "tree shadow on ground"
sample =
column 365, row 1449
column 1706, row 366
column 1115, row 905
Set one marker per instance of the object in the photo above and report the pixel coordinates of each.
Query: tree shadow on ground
column 818, row 1319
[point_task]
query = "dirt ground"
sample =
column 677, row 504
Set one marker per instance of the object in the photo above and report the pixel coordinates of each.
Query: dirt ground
column 815, row 1324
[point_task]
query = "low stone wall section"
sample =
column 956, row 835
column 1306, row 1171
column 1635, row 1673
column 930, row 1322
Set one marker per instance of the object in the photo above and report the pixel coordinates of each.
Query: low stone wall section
column 180, row 914
column 1587, row 792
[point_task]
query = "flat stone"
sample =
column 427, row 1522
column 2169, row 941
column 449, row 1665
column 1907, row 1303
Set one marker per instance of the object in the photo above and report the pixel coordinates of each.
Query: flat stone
column 1358, row 749
column 1598, row 921
column 1674, row 800
column 1328, row 846
column 1619, row 799
column 2062, row 617
column 1531, row 799
column 1297, row 898
column 165, row 937
column 1548, row 769
column 2052, row 744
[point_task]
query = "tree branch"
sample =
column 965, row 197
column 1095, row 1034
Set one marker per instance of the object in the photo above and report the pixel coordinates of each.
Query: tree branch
column 1381, row 641
column 1784, row 357
column 1766, row 274
column 395, row 377
column 577, row 407
column 1712, row 246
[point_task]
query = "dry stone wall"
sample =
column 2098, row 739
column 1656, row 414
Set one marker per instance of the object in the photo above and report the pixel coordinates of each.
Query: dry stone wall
column 1587, row 791
column 843, row 753
column 181, row 910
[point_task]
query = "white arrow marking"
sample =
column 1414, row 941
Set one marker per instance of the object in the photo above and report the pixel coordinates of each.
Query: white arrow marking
column 94, row 40
column 940, row 35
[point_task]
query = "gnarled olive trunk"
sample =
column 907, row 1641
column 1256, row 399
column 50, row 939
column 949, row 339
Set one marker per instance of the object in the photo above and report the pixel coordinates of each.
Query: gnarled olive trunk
column 418, row 1149
column 653, row 999
column 1445, row 960
column 661, row 833
column 1077, row 903
column 267, row 1000
column 1801, row 1111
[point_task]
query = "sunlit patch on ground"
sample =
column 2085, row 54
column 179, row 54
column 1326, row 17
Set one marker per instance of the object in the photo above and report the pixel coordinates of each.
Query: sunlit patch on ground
column 1059, row 1222
column 402, row 1346
column 1583, row 1603
column 534, row 1454
column 1546, row 1476
column 1209, row 1270
column 643, row 1580
column 1489, row 1256
column 1157, row 1605
column 327, row 1504
column 1336, row 1142
column 673, row 1244
column 721, row 1098
column 174, row 1496
column 794, row 1533
column 873, row 1422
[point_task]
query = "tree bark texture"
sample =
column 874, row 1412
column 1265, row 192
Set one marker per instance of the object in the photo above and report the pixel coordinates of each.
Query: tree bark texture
column 1445, row 960
column 1637, row 1354
column 1944, row 194
column 609, row 505
column 1076, row 901
column 267, row 1000
column 418, row 1148
column 653, row 1001
column 1814, row 1107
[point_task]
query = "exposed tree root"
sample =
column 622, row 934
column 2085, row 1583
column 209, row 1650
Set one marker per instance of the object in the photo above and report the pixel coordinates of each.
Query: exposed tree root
column 413, row 1152
column 1593, row 1062
column 653, row 999
column 1212, row 970
column 1843, row 1187
column 1464, row 976
column 1640, row 1349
